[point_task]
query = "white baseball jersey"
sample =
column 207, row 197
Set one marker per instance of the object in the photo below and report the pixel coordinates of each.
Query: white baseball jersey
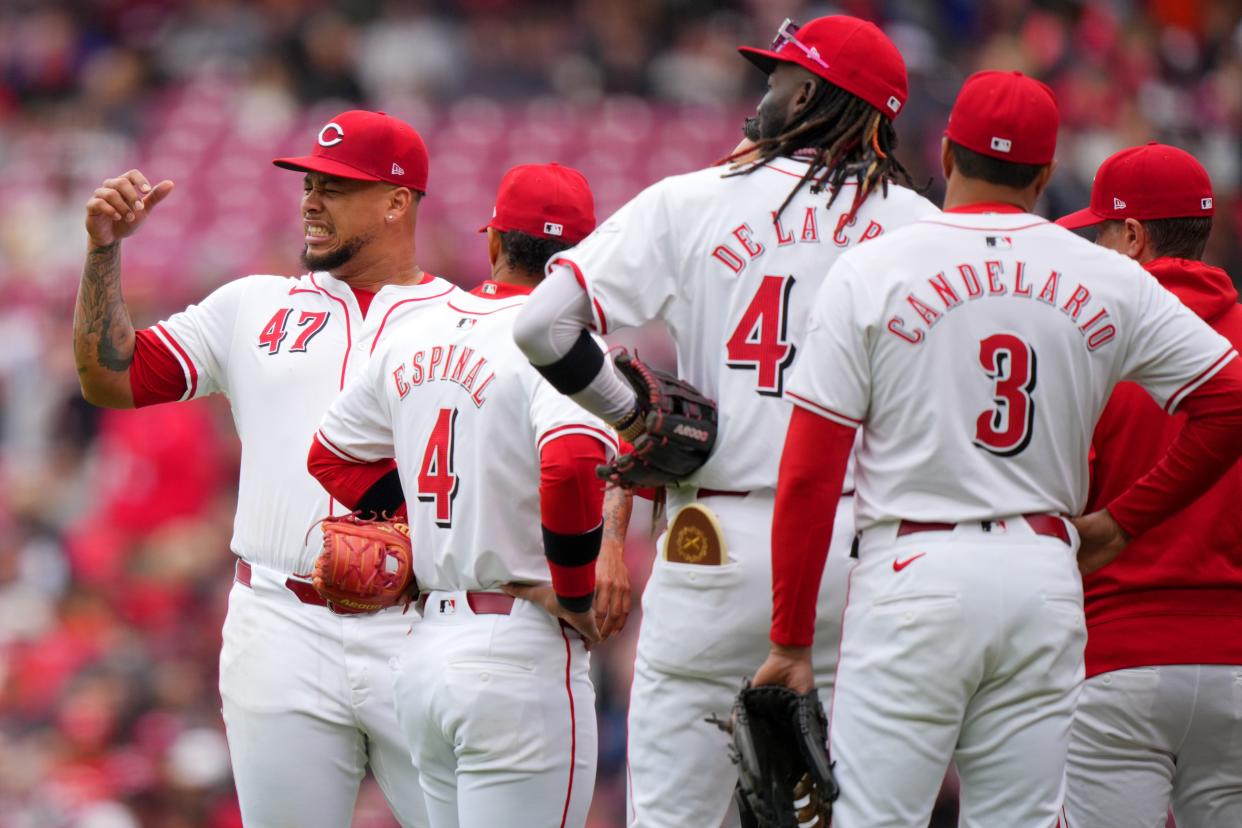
column 979, row 350
column 706, row 254
column 465, row 415
column 281, row 349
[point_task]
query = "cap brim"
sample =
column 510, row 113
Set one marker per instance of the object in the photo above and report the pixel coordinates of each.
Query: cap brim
column 1081, row 218
column 762, row 58
column 326, row 166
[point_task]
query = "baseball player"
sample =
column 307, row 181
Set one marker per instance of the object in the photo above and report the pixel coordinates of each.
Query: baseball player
column 493, row 694
column 729, row 259
column 1157, row 719
column 975, row 350
column 306, row 692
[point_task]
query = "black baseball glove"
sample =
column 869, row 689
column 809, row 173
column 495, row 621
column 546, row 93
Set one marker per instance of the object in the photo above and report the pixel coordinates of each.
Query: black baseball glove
column 672, row 428
column 780, row 747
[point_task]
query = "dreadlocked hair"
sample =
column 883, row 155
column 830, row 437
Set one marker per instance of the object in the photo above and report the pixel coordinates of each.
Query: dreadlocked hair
column 846, row 139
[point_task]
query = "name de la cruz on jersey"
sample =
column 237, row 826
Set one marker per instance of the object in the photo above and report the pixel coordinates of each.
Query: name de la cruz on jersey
column 949, row 290
column 736, row 251
column 441, row 363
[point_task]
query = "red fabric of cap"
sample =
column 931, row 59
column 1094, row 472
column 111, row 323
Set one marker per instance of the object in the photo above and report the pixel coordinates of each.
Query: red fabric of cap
column 367, row 146
column 1006, row 115
column 544, row 200
column 1155, row 181
column 860, row 59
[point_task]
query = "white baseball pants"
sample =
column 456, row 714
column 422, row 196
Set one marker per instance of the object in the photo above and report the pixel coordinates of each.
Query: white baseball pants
column 308, row 705
column 965, row 645
column 705, row 629
column 1150, row 737
column 498, row 711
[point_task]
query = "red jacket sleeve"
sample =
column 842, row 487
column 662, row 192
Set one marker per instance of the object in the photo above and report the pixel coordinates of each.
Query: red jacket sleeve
column 813, row 463
column 571, row 506
column 1208, row 445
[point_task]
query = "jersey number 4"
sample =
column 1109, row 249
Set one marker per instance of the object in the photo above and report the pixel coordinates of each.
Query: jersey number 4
column 759, row 341
column 274, row 333
column 436, row 481
column 1006, row 429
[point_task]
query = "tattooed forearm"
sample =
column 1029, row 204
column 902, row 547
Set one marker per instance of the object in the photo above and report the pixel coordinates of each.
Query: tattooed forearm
column 103, row 336
column 618, row 503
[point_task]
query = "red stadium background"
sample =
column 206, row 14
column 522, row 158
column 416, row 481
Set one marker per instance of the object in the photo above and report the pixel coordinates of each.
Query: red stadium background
column 114, row 529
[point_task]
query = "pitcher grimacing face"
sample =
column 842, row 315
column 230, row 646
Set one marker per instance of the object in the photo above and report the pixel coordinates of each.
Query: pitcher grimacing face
column 340, row 217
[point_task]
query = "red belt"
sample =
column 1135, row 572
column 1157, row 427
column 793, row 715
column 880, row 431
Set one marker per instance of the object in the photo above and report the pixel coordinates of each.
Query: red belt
column 302, row 590
column 1049, row 526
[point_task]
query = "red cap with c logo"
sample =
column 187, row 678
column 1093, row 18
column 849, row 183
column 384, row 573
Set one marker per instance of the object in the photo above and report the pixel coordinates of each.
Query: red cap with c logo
column 367, row 146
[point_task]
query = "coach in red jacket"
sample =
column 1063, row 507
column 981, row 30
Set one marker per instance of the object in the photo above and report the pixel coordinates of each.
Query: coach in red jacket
column 1159, row 721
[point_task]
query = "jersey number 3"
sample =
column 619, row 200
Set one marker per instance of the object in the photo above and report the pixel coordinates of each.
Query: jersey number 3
column 759, row 342
column 1009, row 362
column 436, row 481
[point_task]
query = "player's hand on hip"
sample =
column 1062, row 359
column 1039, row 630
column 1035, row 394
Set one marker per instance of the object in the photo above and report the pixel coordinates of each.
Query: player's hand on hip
column 120, row 206
column 544, row 596
column 788, row 667
column 612, row 588
column 1102, row 540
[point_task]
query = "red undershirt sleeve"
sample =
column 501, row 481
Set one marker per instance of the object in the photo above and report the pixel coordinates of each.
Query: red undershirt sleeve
column 571, row 506
column 812, row 471
column 155, row 375
column 1207, row 446
column 351, row 482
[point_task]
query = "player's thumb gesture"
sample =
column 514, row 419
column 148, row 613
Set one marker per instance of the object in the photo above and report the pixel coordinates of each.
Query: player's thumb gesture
column 120, row 205
column 544, row 596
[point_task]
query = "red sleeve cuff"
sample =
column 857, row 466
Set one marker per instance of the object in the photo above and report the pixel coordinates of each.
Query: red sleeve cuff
column 347, row 481
column 155, row 375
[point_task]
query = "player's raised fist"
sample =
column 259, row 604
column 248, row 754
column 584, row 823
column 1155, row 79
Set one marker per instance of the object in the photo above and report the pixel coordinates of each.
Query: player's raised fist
column 120, row 205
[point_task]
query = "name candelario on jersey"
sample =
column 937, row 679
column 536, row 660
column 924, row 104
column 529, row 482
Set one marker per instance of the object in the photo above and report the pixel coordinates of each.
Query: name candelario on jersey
column 949, row 290
column 741, row 247
column 440, row 363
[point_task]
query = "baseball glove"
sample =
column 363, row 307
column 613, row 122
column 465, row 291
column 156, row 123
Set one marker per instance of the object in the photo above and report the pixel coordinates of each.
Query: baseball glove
column 676, row 428
column 780, row 747
column 365, row 565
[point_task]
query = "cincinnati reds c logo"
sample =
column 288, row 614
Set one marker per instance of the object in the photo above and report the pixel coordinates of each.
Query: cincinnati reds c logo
column 324, row 141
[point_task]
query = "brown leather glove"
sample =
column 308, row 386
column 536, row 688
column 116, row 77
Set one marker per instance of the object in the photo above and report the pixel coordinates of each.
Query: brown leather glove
column 366, row 565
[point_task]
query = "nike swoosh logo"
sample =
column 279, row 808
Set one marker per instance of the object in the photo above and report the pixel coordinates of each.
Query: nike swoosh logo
column 900, row 565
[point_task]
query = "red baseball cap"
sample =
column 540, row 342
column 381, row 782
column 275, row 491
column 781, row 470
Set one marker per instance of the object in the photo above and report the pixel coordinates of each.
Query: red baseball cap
column 1155, row 181
column 846, row 51
column 544, row 200
column 367, row 146
column 1006, row 115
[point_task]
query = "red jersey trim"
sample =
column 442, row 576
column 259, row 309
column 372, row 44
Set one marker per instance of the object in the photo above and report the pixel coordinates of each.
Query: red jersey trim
column 335, row 449
column 573, row 727
column 607, row 438
column 1207, row 373
column 349, row 335
column 379, row 332
column 187, row 364
column 823, row 411
column 486, row 312
column 988, row 229
column 601, row 323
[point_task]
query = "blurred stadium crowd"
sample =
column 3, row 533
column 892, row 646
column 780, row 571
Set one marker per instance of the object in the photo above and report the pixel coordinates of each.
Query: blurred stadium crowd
column 114, row 562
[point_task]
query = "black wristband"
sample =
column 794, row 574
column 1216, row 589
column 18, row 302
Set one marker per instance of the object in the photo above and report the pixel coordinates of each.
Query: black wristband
column 577, row 369
column 572, row 550
column 383, row 498
column 578, row 603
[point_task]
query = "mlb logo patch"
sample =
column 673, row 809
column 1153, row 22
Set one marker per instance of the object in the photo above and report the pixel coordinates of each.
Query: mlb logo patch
column 396, row 169
column 1000, row 242
column 893, row 103
column 465, row 322
column 553, row 229
column 1205, row 204
column 1001, row 144
column 1118, row 204
column 489, row 288
column 448, row 606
